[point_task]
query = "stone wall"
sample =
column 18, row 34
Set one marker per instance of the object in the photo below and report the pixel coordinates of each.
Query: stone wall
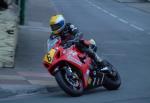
column 8, row 36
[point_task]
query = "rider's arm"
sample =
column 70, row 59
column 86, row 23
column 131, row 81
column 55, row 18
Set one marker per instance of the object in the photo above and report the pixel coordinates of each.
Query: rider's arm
column 52, row 36
column 74, row 31
column 75, row 36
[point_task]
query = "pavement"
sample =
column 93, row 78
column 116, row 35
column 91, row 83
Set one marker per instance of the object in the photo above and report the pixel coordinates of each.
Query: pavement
column 123, row 37
column 29, row 75
column 132, row 1
column 145, row 7
column 137, row 4
column 14, row 82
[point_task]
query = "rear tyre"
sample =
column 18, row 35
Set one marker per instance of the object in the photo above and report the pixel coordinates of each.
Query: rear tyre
column 68, row 87
column 111, row 81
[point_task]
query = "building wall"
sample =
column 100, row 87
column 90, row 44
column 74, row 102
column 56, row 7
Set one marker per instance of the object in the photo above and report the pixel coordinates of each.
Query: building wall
column 8, row 36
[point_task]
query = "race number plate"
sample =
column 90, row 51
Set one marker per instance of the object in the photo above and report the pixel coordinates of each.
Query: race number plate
column 50, row 56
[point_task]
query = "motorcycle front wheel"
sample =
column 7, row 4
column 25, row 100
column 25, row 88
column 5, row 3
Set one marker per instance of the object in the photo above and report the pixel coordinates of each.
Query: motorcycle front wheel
column 111, row 81
column 71, row 84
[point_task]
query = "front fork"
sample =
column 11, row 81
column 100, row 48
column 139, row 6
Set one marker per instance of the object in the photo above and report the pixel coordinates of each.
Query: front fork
column 97, row 75
column 96, row 78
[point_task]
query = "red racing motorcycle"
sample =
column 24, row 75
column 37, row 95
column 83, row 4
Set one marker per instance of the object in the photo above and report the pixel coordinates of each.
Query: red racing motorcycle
column 75, row 71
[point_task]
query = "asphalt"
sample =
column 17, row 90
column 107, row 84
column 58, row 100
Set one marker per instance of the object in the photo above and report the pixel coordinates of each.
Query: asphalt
column 121, row 32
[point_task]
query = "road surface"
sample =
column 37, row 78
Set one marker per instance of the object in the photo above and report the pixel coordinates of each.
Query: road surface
column 122, row 34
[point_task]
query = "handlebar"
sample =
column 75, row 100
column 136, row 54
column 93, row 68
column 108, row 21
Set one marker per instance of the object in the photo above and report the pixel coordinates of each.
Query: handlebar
column 69, row 42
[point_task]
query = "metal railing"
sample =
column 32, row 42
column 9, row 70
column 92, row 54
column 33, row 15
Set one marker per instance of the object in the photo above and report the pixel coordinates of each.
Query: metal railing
column 21, row 4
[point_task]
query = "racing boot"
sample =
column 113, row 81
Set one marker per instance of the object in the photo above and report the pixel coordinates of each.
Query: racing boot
column 98, row 61
column 101, row 64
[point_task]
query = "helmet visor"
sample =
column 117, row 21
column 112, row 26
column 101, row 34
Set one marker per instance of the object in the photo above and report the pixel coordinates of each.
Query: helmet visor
column 57, row 26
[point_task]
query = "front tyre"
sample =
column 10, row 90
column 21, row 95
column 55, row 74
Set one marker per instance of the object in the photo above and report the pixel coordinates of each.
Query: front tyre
column 73, row 89
column 111, row 81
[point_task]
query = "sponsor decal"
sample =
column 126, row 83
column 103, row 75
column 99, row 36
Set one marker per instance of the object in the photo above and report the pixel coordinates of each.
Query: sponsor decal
column 71, row 58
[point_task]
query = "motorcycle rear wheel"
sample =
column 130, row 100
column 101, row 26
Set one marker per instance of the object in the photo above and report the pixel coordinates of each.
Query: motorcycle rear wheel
column 68, row 88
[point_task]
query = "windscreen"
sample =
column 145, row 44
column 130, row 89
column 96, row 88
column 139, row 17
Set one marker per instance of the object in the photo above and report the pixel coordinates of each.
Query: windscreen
column 51, row 43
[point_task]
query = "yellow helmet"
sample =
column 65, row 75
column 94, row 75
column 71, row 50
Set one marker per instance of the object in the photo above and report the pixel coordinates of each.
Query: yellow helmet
column 57, row 24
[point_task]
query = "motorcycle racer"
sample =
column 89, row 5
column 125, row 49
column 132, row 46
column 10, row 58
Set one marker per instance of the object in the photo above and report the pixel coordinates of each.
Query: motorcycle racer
column 67, row 31
column 73, row 61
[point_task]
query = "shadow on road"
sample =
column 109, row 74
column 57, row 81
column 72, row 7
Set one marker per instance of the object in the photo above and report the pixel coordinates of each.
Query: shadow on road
column 61, row 94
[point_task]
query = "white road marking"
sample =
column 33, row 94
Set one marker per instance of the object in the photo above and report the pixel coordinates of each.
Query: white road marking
column 105, row 11
column 137, row 27
column 113, row 54
column 34, row 23
column 11, row 77
column 90, row 3
column 38, row 28
column 121, row 42
column 113, row 15
column 35, row 74
column 99, row 8
column 123, row 21
column 43, row 82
